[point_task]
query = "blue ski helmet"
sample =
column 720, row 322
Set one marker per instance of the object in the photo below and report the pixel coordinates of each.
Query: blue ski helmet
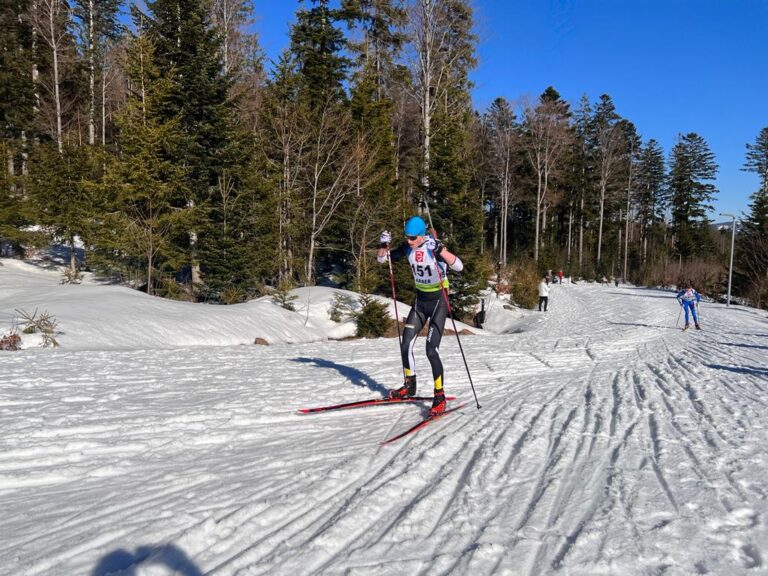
column 415, row 226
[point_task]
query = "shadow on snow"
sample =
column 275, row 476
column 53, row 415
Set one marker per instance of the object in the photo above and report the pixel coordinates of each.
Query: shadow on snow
column 751, row 370
column 757, row 346
column 357, row 377
column 644, row 325
column 127, row 563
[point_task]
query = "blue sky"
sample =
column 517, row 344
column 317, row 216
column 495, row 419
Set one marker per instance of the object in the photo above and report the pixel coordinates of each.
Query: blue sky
column 671, row 66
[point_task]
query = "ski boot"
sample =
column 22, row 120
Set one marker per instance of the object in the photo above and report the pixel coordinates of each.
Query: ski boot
column 686, row 326
column 407, row 390
column 698, row 327
column 438, row 403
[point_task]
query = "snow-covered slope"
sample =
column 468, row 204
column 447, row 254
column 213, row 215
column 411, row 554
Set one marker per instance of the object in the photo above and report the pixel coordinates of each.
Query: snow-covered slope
column 608, row 442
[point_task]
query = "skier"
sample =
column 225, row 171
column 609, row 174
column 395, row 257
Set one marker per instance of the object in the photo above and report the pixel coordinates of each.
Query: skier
column 544, row 293
column 688, row 298
column 425, row 254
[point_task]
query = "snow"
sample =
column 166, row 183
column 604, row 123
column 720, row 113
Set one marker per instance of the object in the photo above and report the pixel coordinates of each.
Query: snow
column 158, row 439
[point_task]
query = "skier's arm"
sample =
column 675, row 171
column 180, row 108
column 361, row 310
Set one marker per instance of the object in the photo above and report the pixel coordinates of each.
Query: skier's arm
column 384, row 239
column 440, row 252
column 450, row 258
column 394, row 255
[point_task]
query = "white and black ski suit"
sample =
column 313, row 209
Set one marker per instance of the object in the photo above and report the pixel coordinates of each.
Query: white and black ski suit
column 428, row 268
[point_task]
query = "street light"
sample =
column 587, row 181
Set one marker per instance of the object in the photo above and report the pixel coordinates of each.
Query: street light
column 733, row 240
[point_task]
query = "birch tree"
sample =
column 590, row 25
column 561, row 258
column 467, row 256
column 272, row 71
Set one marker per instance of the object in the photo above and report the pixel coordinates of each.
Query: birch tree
column 97, row 24
column 504, row 140
column 609, row 150
column 329, row 175
column 52, row 21
column 434, row 53
column 633, row 149
column 546, row 139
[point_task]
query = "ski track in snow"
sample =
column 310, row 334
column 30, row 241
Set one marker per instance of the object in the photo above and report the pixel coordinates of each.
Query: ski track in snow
column 609, row 442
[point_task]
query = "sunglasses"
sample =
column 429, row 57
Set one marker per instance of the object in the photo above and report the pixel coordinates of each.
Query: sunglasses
column 411, row 238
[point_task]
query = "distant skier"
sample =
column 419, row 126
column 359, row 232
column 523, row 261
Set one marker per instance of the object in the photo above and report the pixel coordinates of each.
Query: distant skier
column 424, row 254
column 688, row 298
column 544, row 293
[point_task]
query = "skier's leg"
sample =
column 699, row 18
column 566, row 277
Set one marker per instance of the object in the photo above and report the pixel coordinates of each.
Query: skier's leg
column 413, row 325
column 687, row 306
column 434, row 336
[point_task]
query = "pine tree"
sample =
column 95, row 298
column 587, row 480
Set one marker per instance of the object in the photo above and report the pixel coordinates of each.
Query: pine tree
column 282, row 139
column 145, row 179
column 650, row 197
column 317, row 46
column 375, row 197
column 692, row 165
column 189, row 48
column 752, row 244
column 17, row 101
column 62, row 191
column 757, row 162
column 371, row 105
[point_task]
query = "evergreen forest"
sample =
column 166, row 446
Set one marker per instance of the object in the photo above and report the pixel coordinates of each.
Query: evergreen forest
column 163, row 145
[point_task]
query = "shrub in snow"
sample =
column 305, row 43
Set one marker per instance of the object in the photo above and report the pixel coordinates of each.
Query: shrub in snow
column 44, row 324
column 233, row 295
column 283, row 297
column 11, row 342
column 70, row 276
column 343, row 307
column 520, row 280
column 372, row 318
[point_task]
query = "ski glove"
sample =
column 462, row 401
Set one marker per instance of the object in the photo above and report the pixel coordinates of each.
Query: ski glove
column 385, row 238
column 433, row 246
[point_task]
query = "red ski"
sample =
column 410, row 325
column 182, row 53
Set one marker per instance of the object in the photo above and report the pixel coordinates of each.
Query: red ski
column 369, row 402
column 423, row 423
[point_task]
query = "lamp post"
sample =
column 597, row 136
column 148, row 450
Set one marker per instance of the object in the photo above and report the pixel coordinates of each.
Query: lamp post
column 730, row 267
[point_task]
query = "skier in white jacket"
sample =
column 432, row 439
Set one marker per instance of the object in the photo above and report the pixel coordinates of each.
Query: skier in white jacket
column 543, row 293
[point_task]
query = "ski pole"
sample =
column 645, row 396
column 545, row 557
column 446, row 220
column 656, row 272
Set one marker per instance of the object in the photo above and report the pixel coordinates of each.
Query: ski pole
column 450, row 311
column 394, row 298
column 678, row 315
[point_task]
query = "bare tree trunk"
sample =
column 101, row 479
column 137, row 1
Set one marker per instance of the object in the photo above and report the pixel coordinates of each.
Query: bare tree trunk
column 104, row 109
column 53, row 10
column 72, row 257
column 539, row 189
column 91, row 77
column 581, row 231
column 626, row 234
column 603, row 186
column 570, row 230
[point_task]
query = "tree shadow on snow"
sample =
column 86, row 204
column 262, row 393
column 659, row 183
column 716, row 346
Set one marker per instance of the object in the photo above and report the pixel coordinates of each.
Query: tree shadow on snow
column 758, row 346
column 125, row 563
column 644, row 325
column 661, row 296
column 357, row 377
column 751, row 370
